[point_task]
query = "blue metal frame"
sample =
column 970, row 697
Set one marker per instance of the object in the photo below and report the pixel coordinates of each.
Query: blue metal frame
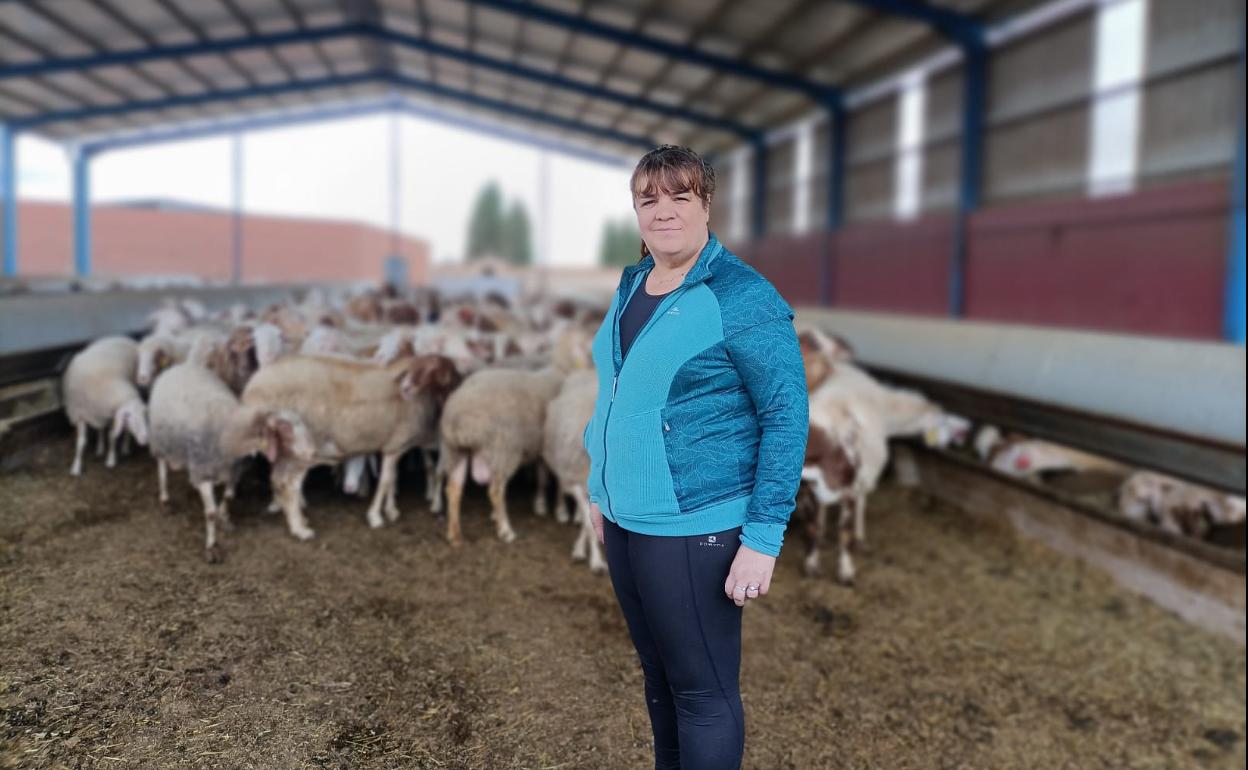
column 974, row 86
column 380, row 34
column 586, row 26
column 759, row 218
column 80, row 158
column 236, row 207
column 396, row 182
column 837, row 123
column 343, row 112
column 337, row 82
column 8, row 197
column 1236, row 278
column 958, row 27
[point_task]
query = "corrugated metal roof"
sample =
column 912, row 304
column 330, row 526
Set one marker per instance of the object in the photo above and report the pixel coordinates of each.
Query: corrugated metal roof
column 706, row 73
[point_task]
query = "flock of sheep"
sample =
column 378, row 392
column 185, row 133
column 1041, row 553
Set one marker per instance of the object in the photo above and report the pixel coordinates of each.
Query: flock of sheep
column 481, row 387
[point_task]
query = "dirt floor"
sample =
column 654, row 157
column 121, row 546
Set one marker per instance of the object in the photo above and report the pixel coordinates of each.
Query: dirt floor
column 961, row 647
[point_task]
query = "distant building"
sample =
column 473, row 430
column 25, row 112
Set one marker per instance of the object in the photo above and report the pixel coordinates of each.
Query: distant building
column 160, row 237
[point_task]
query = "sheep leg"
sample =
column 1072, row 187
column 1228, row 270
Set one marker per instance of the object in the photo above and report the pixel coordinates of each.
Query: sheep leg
column 211, row 549
column 162, row 475
column 99, row 443
column 288, row 484
column 437, row 480
column 432, row 488
column 455, row 478
column 860, row 522
column 845, row 540
column 125, row 444
column 383, row 487
column 588, row 537
column 111, row 460
column 498, row 503
column 539, row 497
column 227, row 497
column 819, row 531
column 392, row 492
column 561, row 507
column 80, row 443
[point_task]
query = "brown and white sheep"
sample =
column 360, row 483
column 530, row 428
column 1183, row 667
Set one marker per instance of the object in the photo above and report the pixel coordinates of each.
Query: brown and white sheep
column 351, row 408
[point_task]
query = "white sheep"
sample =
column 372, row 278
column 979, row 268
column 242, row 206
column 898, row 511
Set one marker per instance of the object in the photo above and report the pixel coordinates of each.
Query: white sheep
column 198, row 424
column 494, row 423
column 1176, row 506
column 98, row 389
column 160, row 350
column 564, row 453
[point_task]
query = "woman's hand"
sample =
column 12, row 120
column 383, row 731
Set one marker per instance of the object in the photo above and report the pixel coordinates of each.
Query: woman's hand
column 595, row 518
column 750, row 575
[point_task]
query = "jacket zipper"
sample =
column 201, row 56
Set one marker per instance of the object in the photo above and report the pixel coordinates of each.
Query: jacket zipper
column 615, row 330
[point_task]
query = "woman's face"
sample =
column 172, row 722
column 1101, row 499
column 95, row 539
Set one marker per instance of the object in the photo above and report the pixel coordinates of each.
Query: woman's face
column 672, row 225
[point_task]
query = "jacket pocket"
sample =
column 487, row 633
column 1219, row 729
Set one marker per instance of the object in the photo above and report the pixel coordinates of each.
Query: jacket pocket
column 638, row 478
column 709, row 463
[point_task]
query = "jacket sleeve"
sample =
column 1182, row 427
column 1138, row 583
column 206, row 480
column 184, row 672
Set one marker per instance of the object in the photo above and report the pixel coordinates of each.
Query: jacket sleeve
column 769, row 362
column 591, row 487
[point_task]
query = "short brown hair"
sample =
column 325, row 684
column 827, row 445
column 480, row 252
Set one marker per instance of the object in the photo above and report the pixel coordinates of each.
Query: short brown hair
column 671, row 169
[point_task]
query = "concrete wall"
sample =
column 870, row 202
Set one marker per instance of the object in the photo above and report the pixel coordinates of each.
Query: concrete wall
column 136, row 241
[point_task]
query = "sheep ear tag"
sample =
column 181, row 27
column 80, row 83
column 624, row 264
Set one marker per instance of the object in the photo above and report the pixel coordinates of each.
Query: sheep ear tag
column 931, row 437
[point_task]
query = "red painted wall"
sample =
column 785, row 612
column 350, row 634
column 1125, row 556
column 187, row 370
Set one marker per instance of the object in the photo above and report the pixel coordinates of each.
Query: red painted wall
column 1151, row 262
column 135, row 241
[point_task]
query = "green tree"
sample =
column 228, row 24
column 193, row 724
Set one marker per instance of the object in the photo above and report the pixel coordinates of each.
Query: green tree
column 516, row 245
column 620, row 245
column 485, row 226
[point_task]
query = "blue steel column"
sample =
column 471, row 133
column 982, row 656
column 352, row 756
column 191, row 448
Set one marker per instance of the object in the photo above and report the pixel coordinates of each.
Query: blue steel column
column 80, row 158
column 836, row 198
column 236, row 219
column 8, row 197
column 396, row 157
column 1233, row 320
column 759, row 219
column 975, row 74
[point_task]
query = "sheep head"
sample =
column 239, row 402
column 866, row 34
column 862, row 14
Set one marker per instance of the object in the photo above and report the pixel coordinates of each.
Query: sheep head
column 131, row 416
column 433, row 374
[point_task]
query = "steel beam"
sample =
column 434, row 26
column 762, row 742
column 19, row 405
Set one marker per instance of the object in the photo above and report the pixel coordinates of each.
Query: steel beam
column 1234, row 309
column 8, row 197
column 975, row 77
column 80, row 159
column 338, row 82
column 958, row 27
column 837, row 123
column 375, row 35
column 758, row 220
column 350, row 110
column 236, row 220
column 728, row 64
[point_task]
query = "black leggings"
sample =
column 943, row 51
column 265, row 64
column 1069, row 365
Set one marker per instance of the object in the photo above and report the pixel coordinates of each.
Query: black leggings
column 688, row 636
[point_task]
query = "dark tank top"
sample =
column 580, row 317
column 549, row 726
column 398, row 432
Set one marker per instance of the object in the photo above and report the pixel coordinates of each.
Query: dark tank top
column 638, row 310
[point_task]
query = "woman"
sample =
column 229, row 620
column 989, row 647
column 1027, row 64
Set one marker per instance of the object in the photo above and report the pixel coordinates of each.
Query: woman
column 695, row 447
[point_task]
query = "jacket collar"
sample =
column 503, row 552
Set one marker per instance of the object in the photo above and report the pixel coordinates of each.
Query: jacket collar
column 700, row 271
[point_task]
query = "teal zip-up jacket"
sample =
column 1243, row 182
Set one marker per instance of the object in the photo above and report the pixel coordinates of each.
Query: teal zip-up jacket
column 702, row 427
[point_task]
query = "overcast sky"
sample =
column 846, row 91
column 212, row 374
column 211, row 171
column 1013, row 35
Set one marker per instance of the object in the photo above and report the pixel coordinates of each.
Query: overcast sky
column 338, row 170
